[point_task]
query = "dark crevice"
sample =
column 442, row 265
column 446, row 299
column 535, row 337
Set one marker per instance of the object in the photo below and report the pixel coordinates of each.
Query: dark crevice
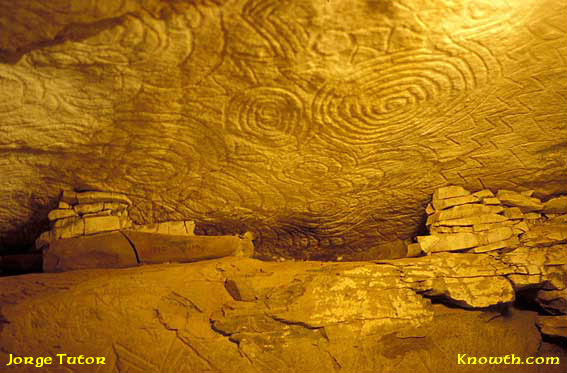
column 219, row 331
column 21, row 263
column 558, row 341
column 133, row 246
column 298, row 323
column 445, row 300
column 526, row 301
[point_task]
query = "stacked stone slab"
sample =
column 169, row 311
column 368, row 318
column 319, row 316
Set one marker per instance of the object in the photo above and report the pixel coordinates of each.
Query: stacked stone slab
column 86, row 213
column 479, row 222
column 93, row 230
column 89, row 213
column 513, row 227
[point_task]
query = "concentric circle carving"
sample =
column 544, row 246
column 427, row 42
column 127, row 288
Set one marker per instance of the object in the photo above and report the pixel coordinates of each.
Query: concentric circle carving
column 383, row 98
column 268, row 116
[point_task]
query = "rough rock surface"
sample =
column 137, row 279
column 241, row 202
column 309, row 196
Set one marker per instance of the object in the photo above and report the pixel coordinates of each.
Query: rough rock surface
column 553, row 326
column 99, row 234
column 129, row 248
column 324, row 126
column 111, row 250
column 243, row 315
column 460, row 221
column 86, row 213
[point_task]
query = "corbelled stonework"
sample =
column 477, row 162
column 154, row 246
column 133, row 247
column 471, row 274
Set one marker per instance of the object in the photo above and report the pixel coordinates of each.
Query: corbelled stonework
column 322, row 126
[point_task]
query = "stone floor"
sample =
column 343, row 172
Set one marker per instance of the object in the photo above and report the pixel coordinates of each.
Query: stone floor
column 244, row 315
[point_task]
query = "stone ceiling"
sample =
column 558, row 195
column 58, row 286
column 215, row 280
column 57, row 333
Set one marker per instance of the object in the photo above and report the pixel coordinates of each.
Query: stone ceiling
column 321, row 125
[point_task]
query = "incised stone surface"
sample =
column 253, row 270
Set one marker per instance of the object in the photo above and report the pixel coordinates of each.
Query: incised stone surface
column 322, row 126
column 243, row 315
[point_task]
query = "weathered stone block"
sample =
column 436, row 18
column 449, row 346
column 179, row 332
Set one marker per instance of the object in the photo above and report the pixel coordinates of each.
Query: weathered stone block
column 68, row 227
column 189, row 227
column 176, row 228
column 441, row 204
column 487, row 226
column 115, row 206
column 485, row 193
column 97, row 224
column 448, row 242
column 553, row 326
column 88, row 208
column 491, row 201
column 513, row 213
column 463, row 211
column 450, row 192
column 242, row 315
column 63, row 205
column 525, row 203
column 107, row 250
column 473, row 220
column 495, row 235
column 522, row 225
column 94, row 197
column 180, row 228
column 60, row 214
column 99, row 213
column 159, row 248
column 459, row 229
column 68, row 197
column 460, row 241
column 553, row 301
column 556, row 205
column 509, row 243
column 532, row 216
column 414, row 249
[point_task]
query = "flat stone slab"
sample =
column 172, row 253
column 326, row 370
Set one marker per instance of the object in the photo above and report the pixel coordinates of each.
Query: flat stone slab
column 60, row 214
column 160, row 248
column 129, row 248
column 556, row 205
column 522, row 201
column 107, row 250
column 450, row 191
column 94, row 197
column 97, row 224
column 460, row 241
column 441, row 204
column 553, row 326
column 463, row 211
column 474, row 220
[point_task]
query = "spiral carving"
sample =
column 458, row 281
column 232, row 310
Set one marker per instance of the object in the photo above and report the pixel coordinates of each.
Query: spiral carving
column 383, row 97
column 267, row 116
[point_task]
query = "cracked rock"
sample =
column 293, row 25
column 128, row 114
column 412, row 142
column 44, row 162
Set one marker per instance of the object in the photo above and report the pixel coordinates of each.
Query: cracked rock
column 349, row 317
column 522, row 201
column 553, row 326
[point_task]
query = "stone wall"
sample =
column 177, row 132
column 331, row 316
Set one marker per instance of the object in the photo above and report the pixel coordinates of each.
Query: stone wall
column 92, row 230
column 459, row 220
column 324, row 125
